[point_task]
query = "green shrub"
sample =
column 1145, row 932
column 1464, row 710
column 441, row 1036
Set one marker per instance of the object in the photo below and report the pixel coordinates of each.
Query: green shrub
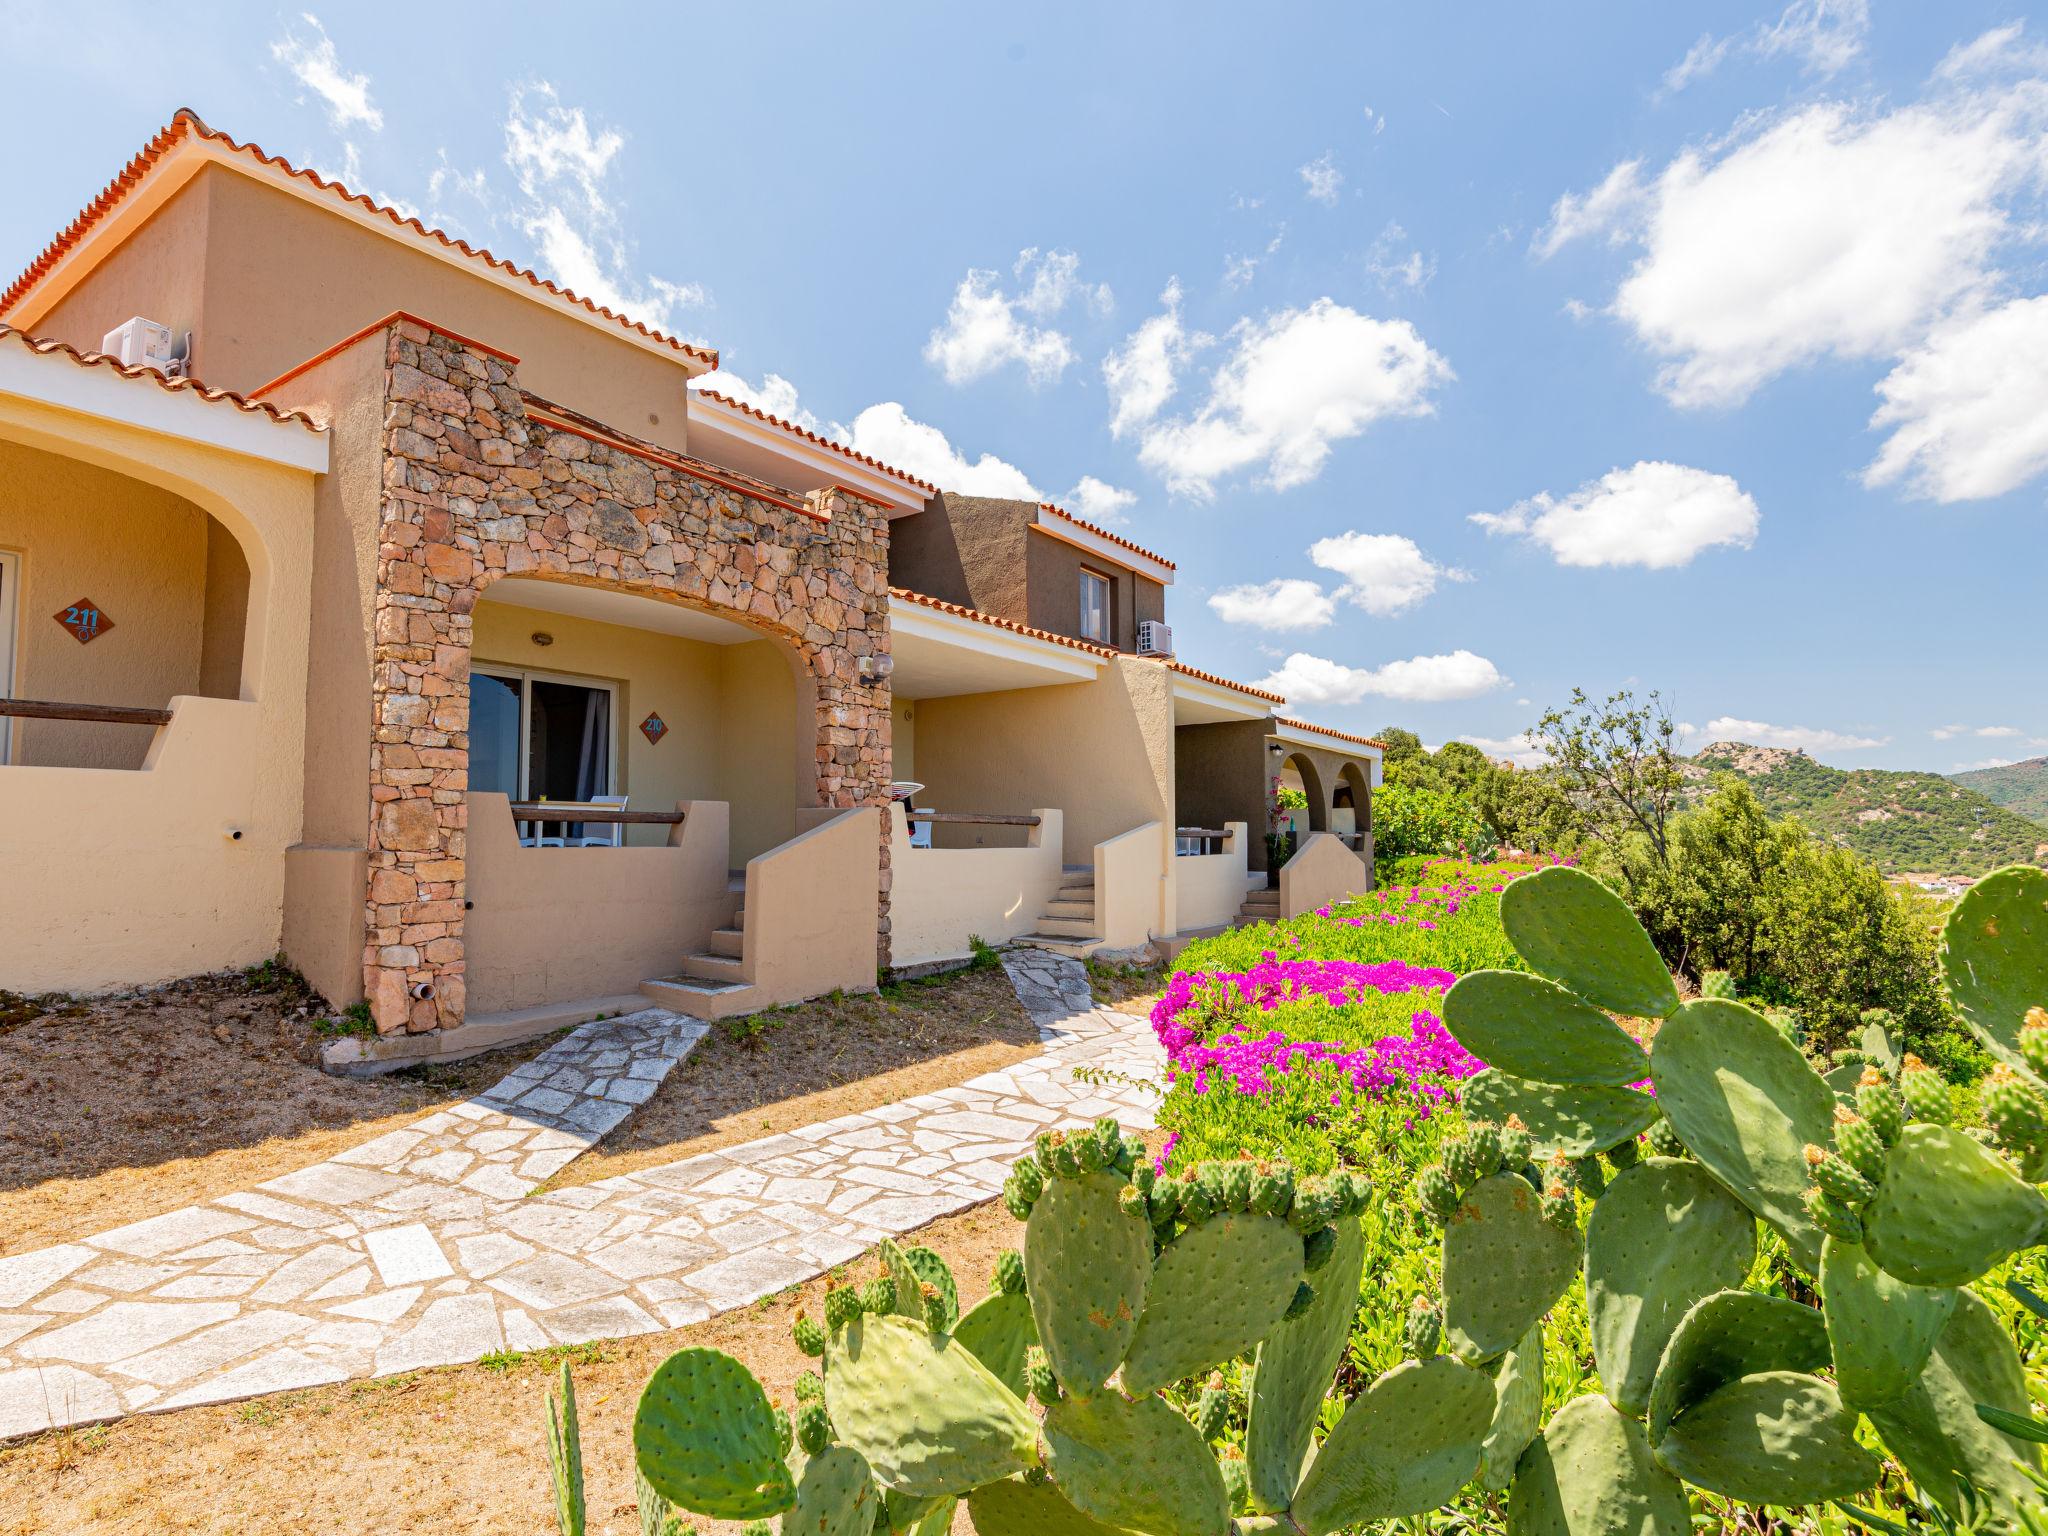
column 1408, row 820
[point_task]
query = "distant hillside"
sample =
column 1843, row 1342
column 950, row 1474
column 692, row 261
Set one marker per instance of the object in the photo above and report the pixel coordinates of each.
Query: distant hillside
column 2019, row 787
column 1902, row 821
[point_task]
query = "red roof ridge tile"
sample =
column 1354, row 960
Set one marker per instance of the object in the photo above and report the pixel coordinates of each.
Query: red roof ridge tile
column 823, row 442
column 185, row 120
column 1114, row 538
column 962, row 611
column 1324, row 730
column 1224, row 682
column 47, row 347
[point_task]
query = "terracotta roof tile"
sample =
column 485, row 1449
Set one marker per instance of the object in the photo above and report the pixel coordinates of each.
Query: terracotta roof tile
column 1224, row 682
column 44, row 347
column 823, row 442
column 1324, row 730
column 1104, row 533
column 186, row 123
column 962, row 612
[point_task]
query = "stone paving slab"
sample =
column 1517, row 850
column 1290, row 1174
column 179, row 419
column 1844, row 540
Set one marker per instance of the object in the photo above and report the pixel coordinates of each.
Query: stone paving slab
column 426, row 1246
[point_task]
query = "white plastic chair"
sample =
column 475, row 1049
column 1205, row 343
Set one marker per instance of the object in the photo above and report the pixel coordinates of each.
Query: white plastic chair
column 616, row 829
column 920, row 831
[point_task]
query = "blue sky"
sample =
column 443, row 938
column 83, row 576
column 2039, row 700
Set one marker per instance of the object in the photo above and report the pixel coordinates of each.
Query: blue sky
column 1458, row 356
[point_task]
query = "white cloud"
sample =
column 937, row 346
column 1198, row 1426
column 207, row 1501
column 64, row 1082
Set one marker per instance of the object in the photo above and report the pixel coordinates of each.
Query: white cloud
column 1609, row 209
column 1099, row 501
column 1306, row 679
column 775, row 395
column 2000, row 49
column 1240, row 270
column 1321, row 180
column 1384, row 573
column 1519, row 750
column 1831, row 232
column 1950, row 732
column 1296, row 383
column 986, row 327
column 1143, row 373
column 1968, row 410
column 1983, row 762
column 315, row 65
column 1805, row 738
column 1651, row 514
column 889, row 433
column 564, row 170
column 1826, row 36
column 1395, row 270
column 1291, row 602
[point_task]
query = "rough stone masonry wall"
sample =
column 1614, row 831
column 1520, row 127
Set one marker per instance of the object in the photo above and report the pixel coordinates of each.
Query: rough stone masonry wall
column 475, row 488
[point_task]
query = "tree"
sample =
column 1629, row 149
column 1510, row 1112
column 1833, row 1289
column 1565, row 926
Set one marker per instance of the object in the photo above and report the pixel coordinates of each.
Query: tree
column 1617, row 760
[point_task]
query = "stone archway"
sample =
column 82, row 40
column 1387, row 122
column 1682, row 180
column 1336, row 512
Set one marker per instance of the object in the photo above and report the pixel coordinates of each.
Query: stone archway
column 482, row 481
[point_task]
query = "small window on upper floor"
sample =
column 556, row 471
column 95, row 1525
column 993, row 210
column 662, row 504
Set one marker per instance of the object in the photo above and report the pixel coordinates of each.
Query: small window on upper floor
column 1095, row 621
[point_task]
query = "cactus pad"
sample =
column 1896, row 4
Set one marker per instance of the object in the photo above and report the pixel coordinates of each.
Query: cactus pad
column 999, row 1330
column 1517, row 1410
column 1405, row 1445
column 1780, row 1437
column 1571, row 928
column 1136, row 1464
column 905, row 1282
column 1504, row 1265
column 1292, row 1371
column 1996, row 959
column 1537, row 1029
column 1948, row 1209
column 1663, row 1236
column 1744, row 1100
column 1881, row 1329
column 565, row 1456
column 835, row 1496
column 1216, row 1290
column 1590, row 1474
column 933, row 1271
column 706, row 1439
column 1019, row 1507
column 1575, row 1121
column 1934, row 1429
column 930, row 1417
column 1087, row 1264
column 1729, row 1335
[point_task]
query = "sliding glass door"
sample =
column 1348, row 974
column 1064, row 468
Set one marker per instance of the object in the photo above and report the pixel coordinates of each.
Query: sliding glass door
column 536, row 736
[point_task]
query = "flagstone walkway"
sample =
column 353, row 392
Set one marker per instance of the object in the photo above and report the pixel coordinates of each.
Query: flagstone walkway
column 427, row 1246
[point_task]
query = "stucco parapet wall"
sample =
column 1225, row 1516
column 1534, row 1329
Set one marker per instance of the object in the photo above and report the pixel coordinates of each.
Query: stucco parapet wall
column 475, row 486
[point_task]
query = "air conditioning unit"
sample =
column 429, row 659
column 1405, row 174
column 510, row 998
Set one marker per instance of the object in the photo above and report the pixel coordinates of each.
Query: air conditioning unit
column 144, row 343
column 1154, row 638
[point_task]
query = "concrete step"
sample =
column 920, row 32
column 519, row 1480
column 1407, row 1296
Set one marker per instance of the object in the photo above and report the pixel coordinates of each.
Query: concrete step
column 728, row 941
column 699, row 999
column 1061, row 944
column 1076, row 893
column 1068, row 927
column 1081, row 911
column 714, row 968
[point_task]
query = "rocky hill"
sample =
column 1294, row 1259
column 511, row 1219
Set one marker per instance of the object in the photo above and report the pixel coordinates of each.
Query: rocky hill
column 2019, row 787
column 1905, row 822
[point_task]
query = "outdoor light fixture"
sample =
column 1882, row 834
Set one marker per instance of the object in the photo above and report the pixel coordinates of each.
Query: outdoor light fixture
column 542, row 637
column 874, row 668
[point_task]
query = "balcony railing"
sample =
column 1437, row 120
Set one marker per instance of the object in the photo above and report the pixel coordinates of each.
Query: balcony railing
column 96, row 714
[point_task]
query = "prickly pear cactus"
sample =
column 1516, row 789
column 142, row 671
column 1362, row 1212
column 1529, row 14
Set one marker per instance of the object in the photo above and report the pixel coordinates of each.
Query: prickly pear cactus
column 1041, row 1408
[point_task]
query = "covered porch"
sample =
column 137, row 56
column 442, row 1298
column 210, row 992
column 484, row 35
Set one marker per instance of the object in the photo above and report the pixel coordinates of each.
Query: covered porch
column 155, row 548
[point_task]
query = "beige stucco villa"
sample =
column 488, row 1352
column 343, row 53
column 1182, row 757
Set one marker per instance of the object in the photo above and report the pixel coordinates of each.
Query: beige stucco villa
column 303, row 658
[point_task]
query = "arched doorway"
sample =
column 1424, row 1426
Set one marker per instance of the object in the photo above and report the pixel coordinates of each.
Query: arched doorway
column 1305, row 809
column 1351, row 806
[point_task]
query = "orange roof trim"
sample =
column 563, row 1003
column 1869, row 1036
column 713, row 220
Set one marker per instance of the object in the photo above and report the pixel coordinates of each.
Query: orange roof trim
column 1224, row 682
column 43, row 347
column 809, row 436
column 1104, row 533
column 187, row 123
column 1324, row 730
column 960, row 611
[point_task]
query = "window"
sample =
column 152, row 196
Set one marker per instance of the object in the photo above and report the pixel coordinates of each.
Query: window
column 537, row 737
column 1095, row 615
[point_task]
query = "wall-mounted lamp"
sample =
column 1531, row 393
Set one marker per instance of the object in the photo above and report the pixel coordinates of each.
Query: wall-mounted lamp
column 874, row 668
column 542, row 637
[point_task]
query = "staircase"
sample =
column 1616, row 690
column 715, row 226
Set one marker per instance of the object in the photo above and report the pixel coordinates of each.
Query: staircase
column 1067, row 926
column 1260, row 906
column 713, row 983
